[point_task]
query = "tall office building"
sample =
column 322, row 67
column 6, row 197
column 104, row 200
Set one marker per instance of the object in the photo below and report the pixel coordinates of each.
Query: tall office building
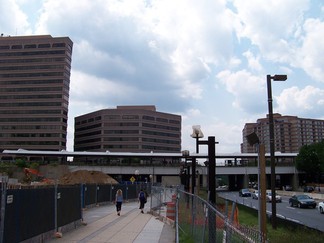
column 290, row 133
column 34, row 91
column 128, row 129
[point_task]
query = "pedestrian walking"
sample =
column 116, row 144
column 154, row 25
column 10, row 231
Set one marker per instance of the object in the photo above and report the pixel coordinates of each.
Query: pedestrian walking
column 142, row 200
column 119, row 201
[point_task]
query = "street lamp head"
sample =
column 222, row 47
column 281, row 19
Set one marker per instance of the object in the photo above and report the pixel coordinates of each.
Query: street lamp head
column 252, row 138
column 279, row 77
column 196, row 132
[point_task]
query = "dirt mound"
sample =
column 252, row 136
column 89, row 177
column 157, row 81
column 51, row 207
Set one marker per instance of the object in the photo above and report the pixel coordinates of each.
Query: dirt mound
column 88, row 177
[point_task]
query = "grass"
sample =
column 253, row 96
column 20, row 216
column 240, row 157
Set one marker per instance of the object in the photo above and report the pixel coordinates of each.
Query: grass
column 284, row 232
column 249, row 217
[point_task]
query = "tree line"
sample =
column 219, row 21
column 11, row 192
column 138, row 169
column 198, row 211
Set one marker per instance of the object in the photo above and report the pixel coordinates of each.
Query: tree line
column 310, row 160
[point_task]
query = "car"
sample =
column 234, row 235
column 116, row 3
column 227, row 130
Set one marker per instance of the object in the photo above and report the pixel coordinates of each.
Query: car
column 244, row 193
column 321, row 207
column 255, row 194
column 308, row 189
column 288, row 188
column 302, row 201
column 269, row 197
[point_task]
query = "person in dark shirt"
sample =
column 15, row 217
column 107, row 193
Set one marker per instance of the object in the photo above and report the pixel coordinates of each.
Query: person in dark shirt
column 142, row 200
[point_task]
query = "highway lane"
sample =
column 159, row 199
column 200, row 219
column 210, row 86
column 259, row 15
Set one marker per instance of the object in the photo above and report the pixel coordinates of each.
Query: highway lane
column 306, row 216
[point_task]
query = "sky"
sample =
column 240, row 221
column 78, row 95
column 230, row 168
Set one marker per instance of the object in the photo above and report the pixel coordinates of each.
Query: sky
column 205, row 60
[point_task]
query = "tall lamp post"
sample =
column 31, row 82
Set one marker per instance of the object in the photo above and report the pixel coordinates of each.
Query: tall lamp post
column 211, row 184
column 272, row 147
column 197, row 133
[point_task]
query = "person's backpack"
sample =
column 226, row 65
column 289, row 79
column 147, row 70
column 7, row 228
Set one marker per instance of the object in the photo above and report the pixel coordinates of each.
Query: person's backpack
column 142, row 196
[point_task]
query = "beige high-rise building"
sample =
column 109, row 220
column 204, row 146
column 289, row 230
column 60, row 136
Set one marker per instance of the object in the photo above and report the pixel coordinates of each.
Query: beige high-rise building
column 128, row 129
column 290, row 133
column 34, row 91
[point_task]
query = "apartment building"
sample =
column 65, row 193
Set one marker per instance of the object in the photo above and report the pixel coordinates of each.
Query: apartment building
column 128, row 129
column 34, row 91
column 290, row 133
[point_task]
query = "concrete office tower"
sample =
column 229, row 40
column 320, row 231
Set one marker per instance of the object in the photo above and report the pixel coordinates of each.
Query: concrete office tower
column 34, row 91
column 128, row 129
column 290, row 133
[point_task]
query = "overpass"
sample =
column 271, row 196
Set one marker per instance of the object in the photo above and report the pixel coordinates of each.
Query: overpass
column 236, row 167
column 238, row 176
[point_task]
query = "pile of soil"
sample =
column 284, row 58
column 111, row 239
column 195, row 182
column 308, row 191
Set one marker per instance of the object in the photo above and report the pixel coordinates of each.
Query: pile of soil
column 87, row 177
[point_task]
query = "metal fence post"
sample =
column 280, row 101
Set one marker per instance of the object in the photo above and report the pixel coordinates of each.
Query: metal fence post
column 177, row 217
column 55, row 206
column 96, row 199
column 111, row 188
column 4, row 181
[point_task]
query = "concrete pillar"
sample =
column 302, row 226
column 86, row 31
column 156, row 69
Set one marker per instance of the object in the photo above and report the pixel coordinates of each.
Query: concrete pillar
column 245, row 181
column 295, row 182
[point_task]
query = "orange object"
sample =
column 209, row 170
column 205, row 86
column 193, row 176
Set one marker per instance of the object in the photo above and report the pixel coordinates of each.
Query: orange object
column 32, row 171
column 171, row 210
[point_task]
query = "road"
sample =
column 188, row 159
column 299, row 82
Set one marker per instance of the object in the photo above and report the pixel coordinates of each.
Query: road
column 305, row 216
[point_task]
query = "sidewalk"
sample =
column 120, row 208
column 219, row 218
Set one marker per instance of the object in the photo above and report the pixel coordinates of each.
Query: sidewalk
column 103, row 225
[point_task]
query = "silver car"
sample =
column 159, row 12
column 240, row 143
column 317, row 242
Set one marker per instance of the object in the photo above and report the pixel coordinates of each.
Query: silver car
column 321, row 207
column 269, row 197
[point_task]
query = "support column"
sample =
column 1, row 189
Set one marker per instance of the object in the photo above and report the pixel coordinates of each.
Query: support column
column 245, row 181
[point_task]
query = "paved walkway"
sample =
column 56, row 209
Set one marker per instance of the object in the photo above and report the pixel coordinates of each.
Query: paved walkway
column 103, row 225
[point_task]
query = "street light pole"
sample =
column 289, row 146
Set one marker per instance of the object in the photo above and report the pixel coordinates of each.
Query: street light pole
column 197, row 133
column 272, row 147
column 211, row 185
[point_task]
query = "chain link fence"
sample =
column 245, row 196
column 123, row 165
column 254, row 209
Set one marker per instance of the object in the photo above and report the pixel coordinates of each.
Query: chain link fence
column 196, row 220
column 160, row 197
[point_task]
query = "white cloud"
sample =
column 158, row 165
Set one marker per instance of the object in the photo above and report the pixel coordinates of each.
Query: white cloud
column 201, row 59
column 253, row 61
column 97, row 90
column 312, row 50
column 247, row 89
column 270, row 24
column 307, row 102
column 13, row 20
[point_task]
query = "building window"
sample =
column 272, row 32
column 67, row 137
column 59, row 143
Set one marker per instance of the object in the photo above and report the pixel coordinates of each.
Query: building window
column 130, row 117
column 4, row 47
column 112, row 117
column 174, row 122
column 150, row 118
column 161, row 119
column 16, row 47
column 44, row 45
column 30, row 46
column 58, row 45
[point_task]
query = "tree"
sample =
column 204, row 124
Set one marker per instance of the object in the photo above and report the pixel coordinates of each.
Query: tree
column 310, row 160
